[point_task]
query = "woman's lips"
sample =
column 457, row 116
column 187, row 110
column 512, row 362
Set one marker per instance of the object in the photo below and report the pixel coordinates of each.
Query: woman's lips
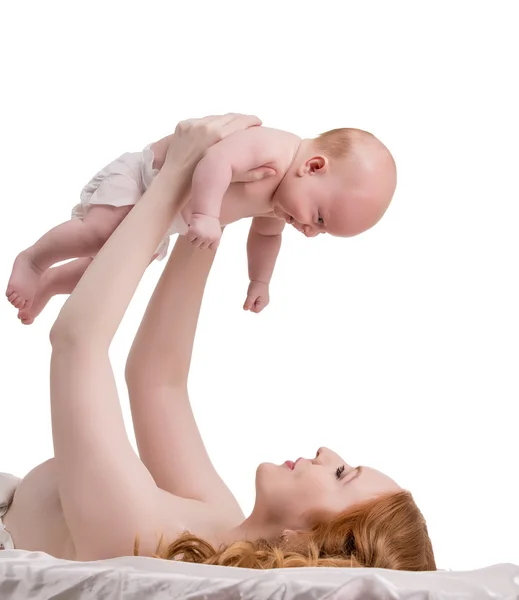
column 290, row 464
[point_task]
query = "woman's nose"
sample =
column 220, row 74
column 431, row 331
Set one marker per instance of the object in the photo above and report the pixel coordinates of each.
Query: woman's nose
column 321, row 452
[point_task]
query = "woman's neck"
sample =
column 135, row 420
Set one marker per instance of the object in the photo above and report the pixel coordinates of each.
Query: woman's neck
column 250, row 530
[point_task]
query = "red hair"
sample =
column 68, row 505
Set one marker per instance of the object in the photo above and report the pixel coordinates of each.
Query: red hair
column 388, row 532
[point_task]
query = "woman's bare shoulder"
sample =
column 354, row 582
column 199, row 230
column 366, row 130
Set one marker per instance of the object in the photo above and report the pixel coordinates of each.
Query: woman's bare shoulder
column 174, row 515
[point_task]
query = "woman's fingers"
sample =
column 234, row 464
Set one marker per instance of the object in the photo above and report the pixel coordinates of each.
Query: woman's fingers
column 229, row 119
column 194, row 136
column 237, row 122
column 217, row 127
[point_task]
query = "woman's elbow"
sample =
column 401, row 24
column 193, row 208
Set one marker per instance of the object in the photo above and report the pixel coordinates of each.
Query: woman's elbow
column 59, row 335
column 65, row 335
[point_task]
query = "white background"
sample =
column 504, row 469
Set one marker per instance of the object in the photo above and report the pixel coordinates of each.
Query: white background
column 398, row 348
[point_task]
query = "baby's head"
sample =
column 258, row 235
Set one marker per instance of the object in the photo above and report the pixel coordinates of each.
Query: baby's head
column 339, row 183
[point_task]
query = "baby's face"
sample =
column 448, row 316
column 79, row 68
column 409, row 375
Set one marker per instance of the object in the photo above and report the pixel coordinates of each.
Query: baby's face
column 340, row 203
column 300, row 205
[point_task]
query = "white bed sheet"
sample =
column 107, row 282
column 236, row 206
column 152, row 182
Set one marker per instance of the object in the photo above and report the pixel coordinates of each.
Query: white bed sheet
column 40, row 576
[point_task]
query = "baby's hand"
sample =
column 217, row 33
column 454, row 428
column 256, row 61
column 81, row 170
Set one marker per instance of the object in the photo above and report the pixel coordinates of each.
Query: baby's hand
column 257, row 297
column 204, row 232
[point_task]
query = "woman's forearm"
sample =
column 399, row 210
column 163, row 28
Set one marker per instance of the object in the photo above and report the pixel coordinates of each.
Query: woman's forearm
column 161, row 352
column 95, row 309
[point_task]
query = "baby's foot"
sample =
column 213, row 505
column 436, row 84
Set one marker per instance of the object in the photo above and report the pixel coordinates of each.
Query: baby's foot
column 44, row 292
column 57, row 280
column 23, row 282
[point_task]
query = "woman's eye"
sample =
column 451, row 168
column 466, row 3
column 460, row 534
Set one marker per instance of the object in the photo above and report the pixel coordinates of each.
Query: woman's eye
column 320, row 220
column 339, row 472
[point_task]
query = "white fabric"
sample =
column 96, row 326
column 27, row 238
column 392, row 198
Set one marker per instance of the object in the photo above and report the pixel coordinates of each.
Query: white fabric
column 8, row 485
column 122, row 183
column 38, row 576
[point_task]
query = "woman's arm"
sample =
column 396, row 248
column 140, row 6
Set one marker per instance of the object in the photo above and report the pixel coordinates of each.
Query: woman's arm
column 157, row 369
column 107, row 494
column 104, row 487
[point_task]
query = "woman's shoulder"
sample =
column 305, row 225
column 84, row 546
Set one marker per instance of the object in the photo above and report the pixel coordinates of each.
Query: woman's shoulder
column 172, row 516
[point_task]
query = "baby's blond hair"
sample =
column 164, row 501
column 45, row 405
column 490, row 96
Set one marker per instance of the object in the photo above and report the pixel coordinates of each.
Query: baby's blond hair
column 338, row 143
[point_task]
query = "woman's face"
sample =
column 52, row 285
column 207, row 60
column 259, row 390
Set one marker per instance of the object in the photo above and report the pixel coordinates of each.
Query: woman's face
column 294, row 493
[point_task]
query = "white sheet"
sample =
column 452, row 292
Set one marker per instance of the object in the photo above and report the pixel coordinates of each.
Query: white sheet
column 39, row 576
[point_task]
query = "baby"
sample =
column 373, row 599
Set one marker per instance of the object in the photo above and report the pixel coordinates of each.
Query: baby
column 339, row 183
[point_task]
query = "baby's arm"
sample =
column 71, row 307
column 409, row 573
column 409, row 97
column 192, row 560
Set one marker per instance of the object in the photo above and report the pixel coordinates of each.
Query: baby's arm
column 239, row 157
column 263, row 246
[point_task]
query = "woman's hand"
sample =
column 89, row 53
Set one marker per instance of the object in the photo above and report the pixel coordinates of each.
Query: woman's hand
column 194, row 136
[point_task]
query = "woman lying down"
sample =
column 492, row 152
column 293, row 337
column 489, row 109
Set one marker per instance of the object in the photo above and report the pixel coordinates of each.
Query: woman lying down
column 97, row 499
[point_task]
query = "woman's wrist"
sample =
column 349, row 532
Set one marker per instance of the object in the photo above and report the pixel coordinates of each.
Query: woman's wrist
column 174, row 183
column 175, row 173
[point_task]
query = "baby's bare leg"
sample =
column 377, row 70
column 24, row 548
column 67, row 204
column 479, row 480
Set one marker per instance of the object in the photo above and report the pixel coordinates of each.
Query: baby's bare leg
column 58, row 280
column 73, row 239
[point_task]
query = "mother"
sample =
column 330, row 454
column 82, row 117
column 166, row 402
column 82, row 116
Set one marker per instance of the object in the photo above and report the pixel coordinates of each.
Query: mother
column 97, row 499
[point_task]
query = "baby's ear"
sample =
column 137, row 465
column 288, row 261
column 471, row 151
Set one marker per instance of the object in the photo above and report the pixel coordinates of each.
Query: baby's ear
column 316, row 164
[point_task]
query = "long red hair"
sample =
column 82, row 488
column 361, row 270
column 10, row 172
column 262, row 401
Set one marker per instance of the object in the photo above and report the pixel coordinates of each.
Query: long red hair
column 388, row 532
